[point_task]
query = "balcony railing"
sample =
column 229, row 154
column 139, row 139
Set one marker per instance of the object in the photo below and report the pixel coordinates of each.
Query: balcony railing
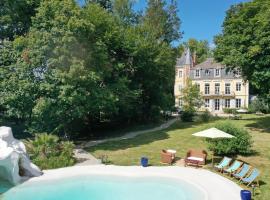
column 219, row 94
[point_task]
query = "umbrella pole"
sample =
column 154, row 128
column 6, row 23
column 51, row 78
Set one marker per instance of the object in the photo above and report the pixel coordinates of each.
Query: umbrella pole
column 213, row 159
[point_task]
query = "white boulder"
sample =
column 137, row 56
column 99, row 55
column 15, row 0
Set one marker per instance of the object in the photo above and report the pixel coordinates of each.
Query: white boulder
column 13, row 158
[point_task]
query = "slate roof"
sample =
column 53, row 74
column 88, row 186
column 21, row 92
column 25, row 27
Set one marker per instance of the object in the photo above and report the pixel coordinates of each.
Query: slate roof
column 209, row 63
column 185, row 59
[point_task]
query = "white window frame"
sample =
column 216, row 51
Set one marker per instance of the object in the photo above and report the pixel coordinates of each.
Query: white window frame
column 207, row 91
column 227, row 91
column 207, row 103
column 180, row 102
column 219, row 72
column 217, row 88
column 227, row 103
column 238, row 103
column 238, row 87
column 197, row 75
column 180, row 73
column 217, row 104
column 180, row 87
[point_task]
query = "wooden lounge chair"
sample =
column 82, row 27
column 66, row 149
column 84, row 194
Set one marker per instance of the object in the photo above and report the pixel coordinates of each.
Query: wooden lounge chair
column 234, row 167
column 225, row 162
column 167, row 157
column 250, row 178
column 195, row 157
column 242, row 172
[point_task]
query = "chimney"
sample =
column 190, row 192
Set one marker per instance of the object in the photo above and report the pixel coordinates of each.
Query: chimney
column 194, row 58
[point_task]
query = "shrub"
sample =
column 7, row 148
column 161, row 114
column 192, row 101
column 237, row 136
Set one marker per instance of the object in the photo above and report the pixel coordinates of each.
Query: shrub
column 241, row 144
column 230, row 110
column 187, row 115
column 259, row 105
column 48, row 152
column 205, row 116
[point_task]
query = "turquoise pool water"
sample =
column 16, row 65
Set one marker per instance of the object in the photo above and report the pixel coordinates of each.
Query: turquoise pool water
column 106, row 188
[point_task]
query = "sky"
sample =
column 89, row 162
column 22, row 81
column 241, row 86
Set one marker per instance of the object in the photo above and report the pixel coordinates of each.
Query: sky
column 201, row 19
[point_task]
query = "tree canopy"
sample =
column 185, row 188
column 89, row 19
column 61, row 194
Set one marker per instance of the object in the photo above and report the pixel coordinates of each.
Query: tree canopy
column 78, row 67
column 245, row 41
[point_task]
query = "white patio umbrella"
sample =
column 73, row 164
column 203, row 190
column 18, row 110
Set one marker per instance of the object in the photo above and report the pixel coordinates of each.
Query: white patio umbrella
column 213, row 133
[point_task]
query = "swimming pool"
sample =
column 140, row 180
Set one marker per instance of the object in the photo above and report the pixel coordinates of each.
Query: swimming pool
column 93, row 187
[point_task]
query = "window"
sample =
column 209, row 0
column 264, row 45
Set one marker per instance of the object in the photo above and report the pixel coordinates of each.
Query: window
column 238, row 86
column 217, row 104
column 180, row 102
column 238, row 103
column 206, row 88
column 197, row 73
column 237, row 72
column 227, row 103
column 227, row 72
column 217, row 72
column 180, row 73
column 180, row 88
column 227, row 88
column 207, row 103
column 217, row 88
column 207, row 72
column 197, row 85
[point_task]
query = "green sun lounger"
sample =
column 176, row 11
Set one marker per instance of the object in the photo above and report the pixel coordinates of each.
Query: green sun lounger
column 224, row 163
column 235, row 166
column 251, row 177
column 243, row 172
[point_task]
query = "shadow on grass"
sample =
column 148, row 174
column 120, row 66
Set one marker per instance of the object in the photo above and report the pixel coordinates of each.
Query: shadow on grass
column 260, row 124
column 145, row 138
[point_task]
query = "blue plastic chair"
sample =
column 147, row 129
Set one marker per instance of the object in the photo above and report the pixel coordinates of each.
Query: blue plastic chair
column 224, row 163
column 243, row 172
column 235, row 166
column 251, row 177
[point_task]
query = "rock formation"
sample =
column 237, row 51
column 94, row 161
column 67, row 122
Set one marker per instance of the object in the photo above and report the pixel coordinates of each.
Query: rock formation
column 14, row 159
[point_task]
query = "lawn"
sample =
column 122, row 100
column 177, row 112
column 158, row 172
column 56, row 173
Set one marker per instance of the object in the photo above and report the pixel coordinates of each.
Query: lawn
column 178, row 136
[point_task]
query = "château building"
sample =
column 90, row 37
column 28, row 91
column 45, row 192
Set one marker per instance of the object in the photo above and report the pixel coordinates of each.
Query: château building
column 219, row 87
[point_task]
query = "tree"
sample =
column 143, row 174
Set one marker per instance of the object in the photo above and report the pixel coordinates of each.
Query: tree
column 192, row 100
column 191, row 96
column 162, row 20
column 199, row 48
column 15, row 17
column 106, row 4
column 122, row 9
column 244, row 43
column 79, row 67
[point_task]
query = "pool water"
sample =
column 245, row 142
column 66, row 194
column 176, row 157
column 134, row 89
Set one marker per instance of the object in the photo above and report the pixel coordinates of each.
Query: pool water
column 106, row 188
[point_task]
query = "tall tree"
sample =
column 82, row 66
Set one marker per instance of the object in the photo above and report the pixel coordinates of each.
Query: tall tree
column 162, row 20
column 122, row 9
column 244, row 43
column 106, row 4
column 15, row 17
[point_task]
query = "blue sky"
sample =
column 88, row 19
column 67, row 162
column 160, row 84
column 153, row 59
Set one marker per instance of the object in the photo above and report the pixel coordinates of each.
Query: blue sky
column 201, row 19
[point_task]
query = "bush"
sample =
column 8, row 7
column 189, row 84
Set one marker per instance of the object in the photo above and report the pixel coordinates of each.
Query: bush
column 205, row 116
column 48, row 152
column 259, row 105
column 187, row 115
column 241, row 144
column 230, row 110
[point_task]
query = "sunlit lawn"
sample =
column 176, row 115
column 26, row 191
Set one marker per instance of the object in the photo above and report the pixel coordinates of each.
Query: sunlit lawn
column 128, row 152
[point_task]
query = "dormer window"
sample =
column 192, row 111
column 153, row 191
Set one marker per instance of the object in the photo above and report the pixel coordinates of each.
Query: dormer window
column 207, row 72
column 197, row 73
column 217, row 72
column 237, row 73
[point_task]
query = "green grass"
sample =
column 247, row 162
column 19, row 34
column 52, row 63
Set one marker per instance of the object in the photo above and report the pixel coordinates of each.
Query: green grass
column 178, row 136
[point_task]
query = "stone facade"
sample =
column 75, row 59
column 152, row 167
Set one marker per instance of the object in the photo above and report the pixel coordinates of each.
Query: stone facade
column 219, row 87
